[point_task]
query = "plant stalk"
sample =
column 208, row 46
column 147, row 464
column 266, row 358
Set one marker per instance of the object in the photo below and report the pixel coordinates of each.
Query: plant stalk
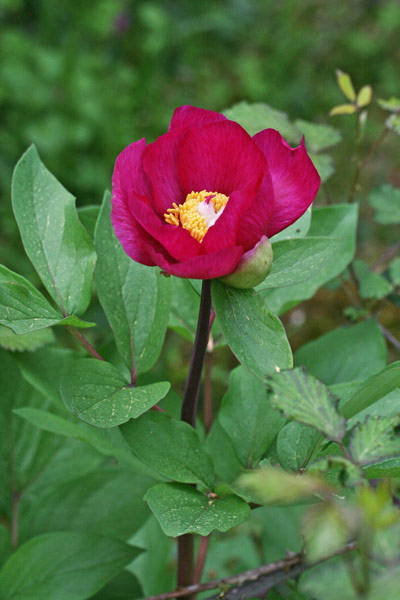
column 188, row 414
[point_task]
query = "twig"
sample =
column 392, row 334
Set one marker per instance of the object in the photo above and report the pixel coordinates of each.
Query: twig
column 389, row 336
column 386, row 256
column 287, row 565
column 374, row 146
column 84, row 342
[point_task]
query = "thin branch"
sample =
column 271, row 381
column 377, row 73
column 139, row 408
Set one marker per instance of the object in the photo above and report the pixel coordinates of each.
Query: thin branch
column 374, row 146
column 386, row 256
column 286, row 565
column 390, row 337
column 84, row 342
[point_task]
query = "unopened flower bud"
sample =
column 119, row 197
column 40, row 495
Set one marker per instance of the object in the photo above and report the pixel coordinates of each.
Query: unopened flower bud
column 253, row 267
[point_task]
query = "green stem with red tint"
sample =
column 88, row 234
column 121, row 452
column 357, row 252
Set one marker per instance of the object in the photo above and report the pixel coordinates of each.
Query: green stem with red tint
column 188, row 414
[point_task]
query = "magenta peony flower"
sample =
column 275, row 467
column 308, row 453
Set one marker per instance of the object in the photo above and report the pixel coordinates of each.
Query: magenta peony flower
column 197, row 200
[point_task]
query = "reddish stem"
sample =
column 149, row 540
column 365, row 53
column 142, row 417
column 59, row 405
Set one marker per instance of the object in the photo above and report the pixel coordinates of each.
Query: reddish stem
column 201, row 559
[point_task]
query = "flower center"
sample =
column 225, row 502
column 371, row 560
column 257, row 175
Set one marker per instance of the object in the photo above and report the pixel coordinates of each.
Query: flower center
column 198, row 213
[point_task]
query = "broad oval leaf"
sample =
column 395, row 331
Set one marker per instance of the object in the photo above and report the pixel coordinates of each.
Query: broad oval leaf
column 248, row 418
column 171, row 447
column 57, row 244
column 135, row 298
column 182, row 509
column 255, row 335
column 302, row 397
column 63, row 565
column 96, row 392
column 298, row 260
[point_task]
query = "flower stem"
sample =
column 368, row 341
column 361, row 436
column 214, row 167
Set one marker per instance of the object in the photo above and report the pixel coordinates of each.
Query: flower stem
column 84, row 342
column 188, row 414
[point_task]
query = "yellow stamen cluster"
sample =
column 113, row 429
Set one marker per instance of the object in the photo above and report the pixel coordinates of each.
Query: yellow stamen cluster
column 187, row 215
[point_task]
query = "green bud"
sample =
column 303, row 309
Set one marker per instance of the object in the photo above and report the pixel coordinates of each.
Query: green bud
column 253, row 267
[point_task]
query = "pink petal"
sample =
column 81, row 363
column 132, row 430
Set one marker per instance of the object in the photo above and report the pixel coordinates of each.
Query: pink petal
column 207, row 266
column 254, row 222
column 187, row 115
column 220, row 157
column 295, row 179
column 128, row 171
column 178, row 242
column 160, row 164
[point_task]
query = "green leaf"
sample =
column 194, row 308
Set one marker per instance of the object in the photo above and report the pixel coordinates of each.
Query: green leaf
column 364, row 96
column 220, row 448
column 298, row 260
column 295, row 444
column 23, row 308
column 345, row 354
column 324, row 165
column 106, row 442
column 385, row 202
column 373, row 389
column 25, row 342
column 247, row 417
column 182, row 509
column 391, row 104
column 338, row 221
column 135, row 298
column 254, row 334
column 62, row 566
column 124, row 586
column 297, row 230
column 184, row 308
column 255, row 117
column 96, row 392
column 389, row 467
column 373, row 440
column 302, row 397
column 58, row 246
column 394, row 271
column 88, row 216
column 345, row 84
column 318, row 137
column 342, row 109
column 269, row 486
column 326, row 528
column 171, row 447
column 372, row 285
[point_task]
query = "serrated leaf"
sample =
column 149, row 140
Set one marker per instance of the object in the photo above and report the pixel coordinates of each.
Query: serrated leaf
column 342, row 109
column 135, row 298
column 269, row 486
column 393, row 123
column 298, row 260
column 345, row 84
column 26, row 342
column 394, row 271
column 171, row 447
column 318, row 137
column 373, row 440
column 23, row 308
column 372, row 285
column 181, row 509
column 96, row 392
column 255, row 117
column 364, row 96
column 254, row 334
column 58, row 246
column 391, row 104
column 247, row 417
column 302, row 397
column 63, row 565
column 385, row 201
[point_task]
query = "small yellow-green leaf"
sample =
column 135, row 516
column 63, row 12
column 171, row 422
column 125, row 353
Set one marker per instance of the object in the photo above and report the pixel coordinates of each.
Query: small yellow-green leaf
column 345, row 84
column 342, row 109
column 391, row 104
column 393, row 123
column 364, row 96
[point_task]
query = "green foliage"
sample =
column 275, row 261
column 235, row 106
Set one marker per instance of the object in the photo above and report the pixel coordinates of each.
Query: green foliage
column 254, row 334
column 58, row 246
column 372, row 285
column 181, row 509
column 25, row 342
column 373, row 440
column 385, row 201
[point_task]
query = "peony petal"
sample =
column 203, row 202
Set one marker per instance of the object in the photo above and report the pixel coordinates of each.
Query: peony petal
column 128, row 171
column 177, row 242
column 295, row 179
column 207, row 266
column 254, row 223
column 160, row 164
column 220, row 157
column 187, row 115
